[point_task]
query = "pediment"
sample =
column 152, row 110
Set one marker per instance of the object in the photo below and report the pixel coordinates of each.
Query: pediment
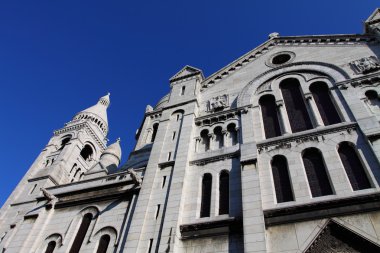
column 186, row 72
column 374, row 16
column 337, row 238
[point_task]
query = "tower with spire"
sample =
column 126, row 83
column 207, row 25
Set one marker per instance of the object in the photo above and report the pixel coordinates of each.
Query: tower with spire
column 75, row 152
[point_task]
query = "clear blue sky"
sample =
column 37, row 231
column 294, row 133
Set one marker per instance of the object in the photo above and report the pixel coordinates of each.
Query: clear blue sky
column 59, row 57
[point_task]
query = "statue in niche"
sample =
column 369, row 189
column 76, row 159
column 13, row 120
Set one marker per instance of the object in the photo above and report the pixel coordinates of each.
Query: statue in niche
column 218, row 103
column 366, row 64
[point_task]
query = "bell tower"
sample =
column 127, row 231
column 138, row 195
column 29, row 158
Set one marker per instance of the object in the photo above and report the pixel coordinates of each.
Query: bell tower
column 69, row 154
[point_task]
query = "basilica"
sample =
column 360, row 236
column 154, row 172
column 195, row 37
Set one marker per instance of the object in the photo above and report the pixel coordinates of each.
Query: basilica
column 277, row 152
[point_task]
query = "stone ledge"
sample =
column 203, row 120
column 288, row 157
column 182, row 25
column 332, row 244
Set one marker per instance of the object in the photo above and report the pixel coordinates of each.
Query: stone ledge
column 323, row 209
column 210, row 228
column 166, row 164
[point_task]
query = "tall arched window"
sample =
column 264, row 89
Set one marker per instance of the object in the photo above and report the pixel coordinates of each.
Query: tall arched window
column 270, row 118
column 50, row 247
column 373, row 100
column 103, row 244
column 64, row 142
column 224, row 192
column 219, row 139
column 85, row 224
column 281, row 179
column 205, row 141
column 232, row 134
column 353, row 166
column 295, row 105
column 87, row 152
column 316, row 173
column 155, row 128
column 206, row 195
column 326, row 107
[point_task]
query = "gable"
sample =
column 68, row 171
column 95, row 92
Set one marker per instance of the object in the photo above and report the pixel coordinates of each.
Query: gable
column 186, row 72
column 336, row 238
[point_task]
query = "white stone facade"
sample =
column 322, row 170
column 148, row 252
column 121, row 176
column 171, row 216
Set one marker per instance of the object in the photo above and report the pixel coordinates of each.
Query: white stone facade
column 203, row 176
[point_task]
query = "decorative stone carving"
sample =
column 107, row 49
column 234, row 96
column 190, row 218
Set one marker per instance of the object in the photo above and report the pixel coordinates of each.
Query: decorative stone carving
column 48, row 195
column 148, row 109
column 135, row 177
column 217, row 103
column 365, row 64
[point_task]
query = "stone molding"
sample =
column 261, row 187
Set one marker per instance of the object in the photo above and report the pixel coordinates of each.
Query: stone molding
column 87, row 128
column 322, row 40
column 210, row 228
column 220, row 116
column 283, row 142
column 362, row 81
column 326, row 69
column 322, row 209
column 211, row 159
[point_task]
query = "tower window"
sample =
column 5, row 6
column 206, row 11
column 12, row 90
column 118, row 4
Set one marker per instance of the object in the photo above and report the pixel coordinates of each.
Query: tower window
column 50, row 247
column 270, row 118
column 163, row 181
column 281, row 179
column 205, row 140
column 219, row 137
column 316, row 173
column 78, row 241
column 169, row 156
column 183, row 90
column 157, row 211
column 206, row 195
column 326, row 107
column 173, row 136
column 155, row 128
column 224, row 192
column 64, row 142
column 103, row 244
column 353, row 167
column 87, row 152
column 295, row 105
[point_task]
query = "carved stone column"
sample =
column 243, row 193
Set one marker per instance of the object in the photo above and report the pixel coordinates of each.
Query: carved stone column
column 317, row 119
column 283, row 118
column 212, row 139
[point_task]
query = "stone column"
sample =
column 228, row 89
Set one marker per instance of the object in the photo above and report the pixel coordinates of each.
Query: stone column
column 317, row 119
column 284, row 120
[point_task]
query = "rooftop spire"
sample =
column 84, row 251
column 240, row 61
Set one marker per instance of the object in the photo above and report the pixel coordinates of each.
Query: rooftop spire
column 97, row 113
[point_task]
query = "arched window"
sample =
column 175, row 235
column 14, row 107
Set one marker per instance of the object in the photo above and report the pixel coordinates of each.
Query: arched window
column 76, row 175
column 224, row 192
column 353, row 167
column 155, row 127
column 373, row 100
column 270, row 118
column 73, row 168
column 218, row 137
column 50, row 247
column 77, row 244
column 206, row 195
column 326, row 107
column 295, row 105
column 281, row 179
column 87, row 152
column 232, row 134
column 103, row 244
column 316, row 173
column 205, row 141
column 64, row 142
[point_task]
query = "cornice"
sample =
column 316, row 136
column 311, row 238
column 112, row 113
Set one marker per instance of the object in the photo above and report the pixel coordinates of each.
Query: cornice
column 317, row 40
column 220, row 116
column 79, row 126
column 215, row 158
column 310, row 135
column 363, row 80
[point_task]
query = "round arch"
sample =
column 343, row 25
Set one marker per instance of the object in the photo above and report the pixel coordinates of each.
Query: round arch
column 332, row 71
